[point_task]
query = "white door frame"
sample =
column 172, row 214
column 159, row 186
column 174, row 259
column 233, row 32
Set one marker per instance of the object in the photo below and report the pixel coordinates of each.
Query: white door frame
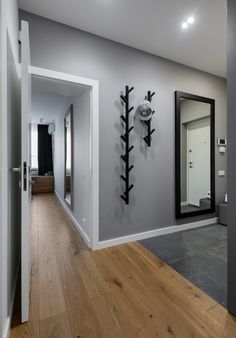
column 94, row 143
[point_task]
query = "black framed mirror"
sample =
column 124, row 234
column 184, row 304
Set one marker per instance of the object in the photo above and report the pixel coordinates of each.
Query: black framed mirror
column 68, row 169
column 194, row 155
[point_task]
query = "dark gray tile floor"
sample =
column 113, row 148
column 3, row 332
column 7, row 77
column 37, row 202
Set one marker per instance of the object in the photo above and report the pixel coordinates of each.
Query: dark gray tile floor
column 200, row 255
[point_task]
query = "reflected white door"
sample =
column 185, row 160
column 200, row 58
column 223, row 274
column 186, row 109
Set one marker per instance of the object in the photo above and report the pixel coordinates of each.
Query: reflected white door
column 25, row 172
column 198, row 160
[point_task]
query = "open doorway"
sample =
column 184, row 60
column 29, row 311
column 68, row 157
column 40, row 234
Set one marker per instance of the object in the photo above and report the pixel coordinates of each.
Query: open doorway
column 64, row 141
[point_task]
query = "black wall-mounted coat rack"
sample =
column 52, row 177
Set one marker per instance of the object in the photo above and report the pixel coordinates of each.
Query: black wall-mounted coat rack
column 150, row 131
column 128, row 148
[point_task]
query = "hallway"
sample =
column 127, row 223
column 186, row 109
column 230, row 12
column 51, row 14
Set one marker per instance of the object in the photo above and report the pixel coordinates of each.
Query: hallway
column 123, row 291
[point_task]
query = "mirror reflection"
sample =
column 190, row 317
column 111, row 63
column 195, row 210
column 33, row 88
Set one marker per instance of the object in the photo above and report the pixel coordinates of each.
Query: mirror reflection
column 195, row 191
column 69, row 156
column 195, row 155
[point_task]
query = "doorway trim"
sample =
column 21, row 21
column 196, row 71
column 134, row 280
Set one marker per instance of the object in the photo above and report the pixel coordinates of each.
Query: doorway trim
column 94, row 142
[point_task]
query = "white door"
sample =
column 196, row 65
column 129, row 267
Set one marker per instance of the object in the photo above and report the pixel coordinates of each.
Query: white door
column 198, row 160
column 25, row 172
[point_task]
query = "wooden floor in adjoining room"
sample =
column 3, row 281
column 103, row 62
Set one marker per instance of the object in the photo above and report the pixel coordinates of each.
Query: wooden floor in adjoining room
column 119, row 292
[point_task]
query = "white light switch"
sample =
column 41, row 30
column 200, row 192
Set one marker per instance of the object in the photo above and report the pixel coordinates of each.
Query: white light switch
column 84, row 176
column 221, row 173
column 222, row 149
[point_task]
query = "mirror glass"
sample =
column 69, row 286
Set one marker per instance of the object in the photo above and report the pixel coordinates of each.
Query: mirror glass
column 194, row 187
column 68, row 193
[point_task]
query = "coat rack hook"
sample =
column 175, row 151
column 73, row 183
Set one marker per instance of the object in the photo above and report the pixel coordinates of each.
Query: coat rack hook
column 150, row 131
column 125, row 137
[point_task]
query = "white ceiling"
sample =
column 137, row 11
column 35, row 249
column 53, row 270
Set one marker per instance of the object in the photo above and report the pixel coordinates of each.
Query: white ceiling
column 150, row 25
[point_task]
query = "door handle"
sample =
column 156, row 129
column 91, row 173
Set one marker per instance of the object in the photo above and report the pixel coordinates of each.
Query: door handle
column 16, row 170
column 25, row 176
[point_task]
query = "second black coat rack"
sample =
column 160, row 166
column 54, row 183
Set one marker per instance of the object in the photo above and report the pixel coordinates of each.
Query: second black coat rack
column 128, row 148
column 150, row 131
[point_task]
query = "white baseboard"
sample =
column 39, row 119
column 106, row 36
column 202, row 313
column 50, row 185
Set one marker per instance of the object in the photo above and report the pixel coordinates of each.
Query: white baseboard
column 153, row 233
column 7, row 326
column 74, row 221
column 135, row 237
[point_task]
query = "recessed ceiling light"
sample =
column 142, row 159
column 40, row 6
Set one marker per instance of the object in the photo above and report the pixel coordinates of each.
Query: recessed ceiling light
column 190, row 20
column 184, row 25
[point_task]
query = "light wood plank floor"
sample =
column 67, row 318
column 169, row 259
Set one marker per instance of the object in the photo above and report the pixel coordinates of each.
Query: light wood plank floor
column 120, row 292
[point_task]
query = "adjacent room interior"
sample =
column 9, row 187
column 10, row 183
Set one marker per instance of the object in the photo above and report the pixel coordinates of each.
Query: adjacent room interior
column 60, row 145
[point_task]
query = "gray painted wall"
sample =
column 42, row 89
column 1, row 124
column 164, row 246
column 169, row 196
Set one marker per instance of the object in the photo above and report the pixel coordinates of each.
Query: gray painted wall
column 231, row 158
column 59, row 47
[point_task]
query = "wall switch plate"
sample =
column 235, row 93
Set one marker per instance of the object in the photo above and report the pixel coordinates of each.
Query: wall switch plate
column 221, row 173
column 222, row 141
column 84, row 176
column 84, row 222
column 222, row 149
